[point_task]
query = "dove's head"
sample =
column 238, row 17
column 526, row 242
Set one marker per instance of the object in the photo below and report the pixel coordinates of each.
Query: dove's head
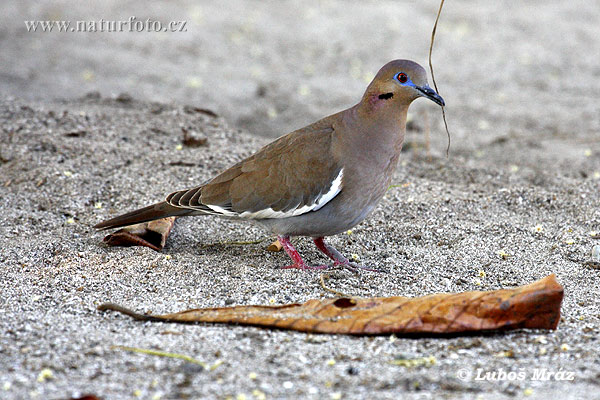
column 399, row 82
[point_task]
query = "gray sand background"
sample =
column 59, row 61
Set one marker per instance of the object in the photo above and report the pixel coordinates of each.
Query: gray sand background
column 521, row 81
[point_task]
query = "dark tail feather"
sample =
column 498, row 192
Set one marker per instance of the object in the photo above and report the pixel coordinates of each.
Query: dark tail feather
column 150, row 213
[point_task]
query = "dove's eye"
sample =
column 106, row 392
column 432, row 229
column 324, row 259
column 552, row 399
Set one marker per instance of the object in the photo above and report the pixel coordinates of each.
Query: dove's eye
column 402, row 77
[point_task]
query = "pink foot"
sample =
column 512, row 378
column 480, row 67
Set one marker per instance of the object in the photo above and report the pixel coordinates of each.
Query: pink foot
column 339, row 259
column 295, row 256
column 304, row 266
column 354, row 267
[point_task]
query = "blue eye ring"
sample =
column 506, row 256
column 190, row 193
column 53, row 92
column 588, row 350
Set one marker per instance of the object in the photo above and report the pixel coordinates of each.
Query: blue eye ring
column 401, row 77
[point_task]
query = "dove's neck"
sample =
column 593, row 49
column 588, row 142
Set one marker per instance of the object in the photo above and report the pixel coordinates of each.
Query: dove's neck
column 369, row 146
column 378, row 133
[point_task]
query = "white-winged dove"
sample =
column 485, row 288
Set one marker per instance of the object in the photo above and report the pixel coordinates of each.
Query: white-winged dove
column 318, row 181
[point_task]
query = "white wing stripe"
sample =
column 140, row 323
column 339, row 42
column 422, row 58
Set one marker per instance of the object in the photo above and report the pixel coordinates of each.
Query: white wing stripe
column 334, row 190
column 221, row 210
column 336, row 187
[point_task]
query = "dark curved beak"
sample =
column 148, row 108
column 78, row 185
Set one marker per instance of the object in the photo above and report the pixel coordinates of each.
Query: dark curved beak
column 431, row 94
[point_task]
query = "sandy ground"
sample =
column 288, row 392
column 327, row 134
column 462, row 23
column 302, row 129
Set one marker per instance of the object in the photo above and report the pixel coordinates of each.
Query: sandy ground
column 521, row 82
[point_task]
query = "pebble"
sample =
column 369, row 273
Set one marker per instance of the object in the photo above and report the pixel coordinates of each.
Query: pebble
column 596, row 253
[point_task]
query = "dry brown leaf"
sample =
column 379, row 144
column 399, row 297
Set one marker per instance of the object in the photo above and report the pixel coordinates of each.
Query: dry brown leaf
column 191, row 139
column 151, row 234
column 205, row 111
column 87, row 397
column 534, row 306
column 275, row 246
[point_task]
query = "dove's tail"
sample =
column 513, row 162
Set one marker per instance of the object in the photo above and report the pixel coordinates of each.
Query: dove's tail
column 150, row 213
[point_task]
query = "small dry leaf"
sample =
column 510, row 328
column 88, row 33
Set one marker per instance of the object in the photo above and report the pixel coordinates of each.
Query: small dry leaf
column 275, row 246
column 151, row 234
column 205, row 111
column 191, row 139
column 87, row 397
column 534, row 306
column 79, row 133
column 414, row 362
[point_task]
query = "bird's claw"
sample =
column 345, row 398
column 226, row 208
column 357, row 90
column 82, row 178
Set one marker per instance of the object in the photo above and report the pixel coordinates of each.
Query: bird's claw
column 304, row 267
column 355, row 267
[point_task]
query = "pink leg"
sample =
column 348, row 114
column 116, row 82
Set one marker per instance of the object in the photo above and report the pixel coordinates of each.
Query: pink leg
column 337, row 257
column 295, row 256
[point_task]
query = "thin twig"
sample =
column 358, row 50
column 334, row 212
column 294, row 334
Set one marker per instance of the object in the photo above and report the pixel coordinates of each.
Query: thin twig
column 404, row 185
column 433, row 76
column 235, row 243
column 322, row 279
column 162, row 354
